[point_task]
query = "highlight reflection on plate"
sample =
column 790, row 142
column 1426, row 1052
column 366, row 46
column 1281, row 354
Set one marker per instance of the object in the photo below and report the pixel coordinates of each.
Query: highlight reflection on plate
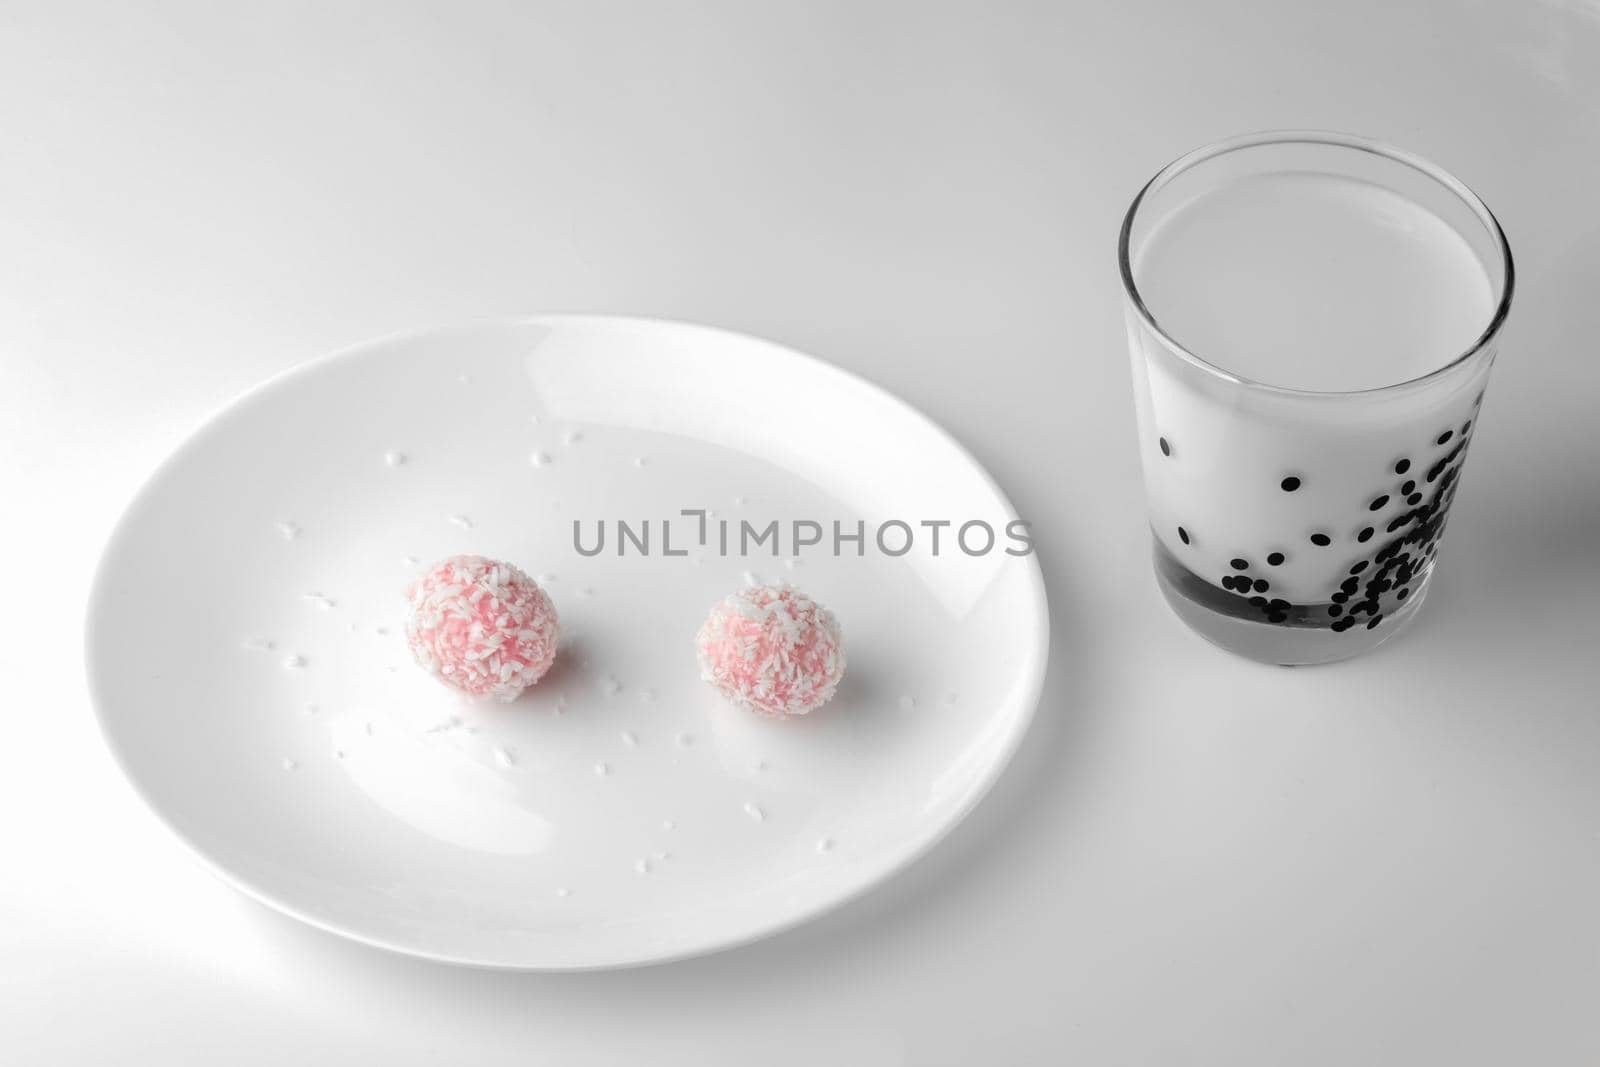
column 247, row 661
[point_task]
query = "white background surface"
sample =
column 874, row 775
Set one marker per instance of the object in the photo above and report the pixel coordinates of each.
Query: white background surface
column 1194, row 860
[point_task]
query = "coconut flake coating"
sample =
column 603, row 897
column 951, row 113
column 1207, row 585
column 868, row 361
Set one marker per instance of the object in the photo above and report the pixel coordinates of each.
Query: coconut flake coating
column 481, row 626
column 773, row 650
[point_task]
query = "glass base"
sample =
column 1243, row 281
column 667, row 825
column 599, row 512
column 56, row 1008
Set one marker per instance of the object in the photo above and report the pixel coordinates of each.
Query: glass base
column 1305, row 636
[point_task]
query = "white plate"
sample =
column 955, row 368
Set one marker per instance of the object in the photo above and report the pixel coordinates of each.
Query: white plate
column 620, row 812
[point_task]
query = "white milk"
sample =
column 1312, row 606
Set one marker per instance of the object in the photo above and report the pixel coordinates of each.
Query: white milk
column 1309, row 282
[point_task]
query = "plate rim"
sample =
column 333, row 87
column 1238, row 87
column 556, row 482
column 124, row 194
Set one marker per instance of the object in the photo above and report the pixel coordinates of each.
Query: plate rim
column 1035, row 665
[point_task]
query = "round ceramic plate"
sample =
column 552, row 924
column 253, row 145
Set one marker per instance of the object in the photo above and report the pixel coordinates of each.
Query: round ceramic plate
column 247, row 657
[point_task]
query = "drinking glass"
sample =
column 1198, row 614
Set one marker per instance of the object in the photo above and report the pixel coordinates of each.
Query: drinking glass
column 1312, row 318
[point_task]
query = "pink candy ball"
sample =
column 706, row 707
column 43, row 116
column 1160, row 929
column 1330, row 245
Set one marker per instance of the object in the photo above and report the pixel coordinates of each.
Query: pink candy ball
column 773, row 650
column 482, row 626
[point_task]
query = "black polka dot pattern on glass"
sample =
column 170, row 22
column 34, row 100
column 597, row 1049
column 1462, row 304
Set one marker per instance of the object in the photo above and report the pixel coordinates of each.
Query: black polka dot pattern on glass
column 1380, row 559
column 1401, row 559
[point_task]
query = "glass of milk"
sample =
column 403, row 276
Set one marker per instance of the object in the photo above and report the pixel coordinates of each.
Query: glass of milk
column 1312, row 318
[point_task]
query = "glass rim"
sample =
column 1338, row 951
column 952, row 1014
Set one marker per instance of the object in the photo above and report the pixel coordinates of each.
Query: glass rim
column 1336, row 140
